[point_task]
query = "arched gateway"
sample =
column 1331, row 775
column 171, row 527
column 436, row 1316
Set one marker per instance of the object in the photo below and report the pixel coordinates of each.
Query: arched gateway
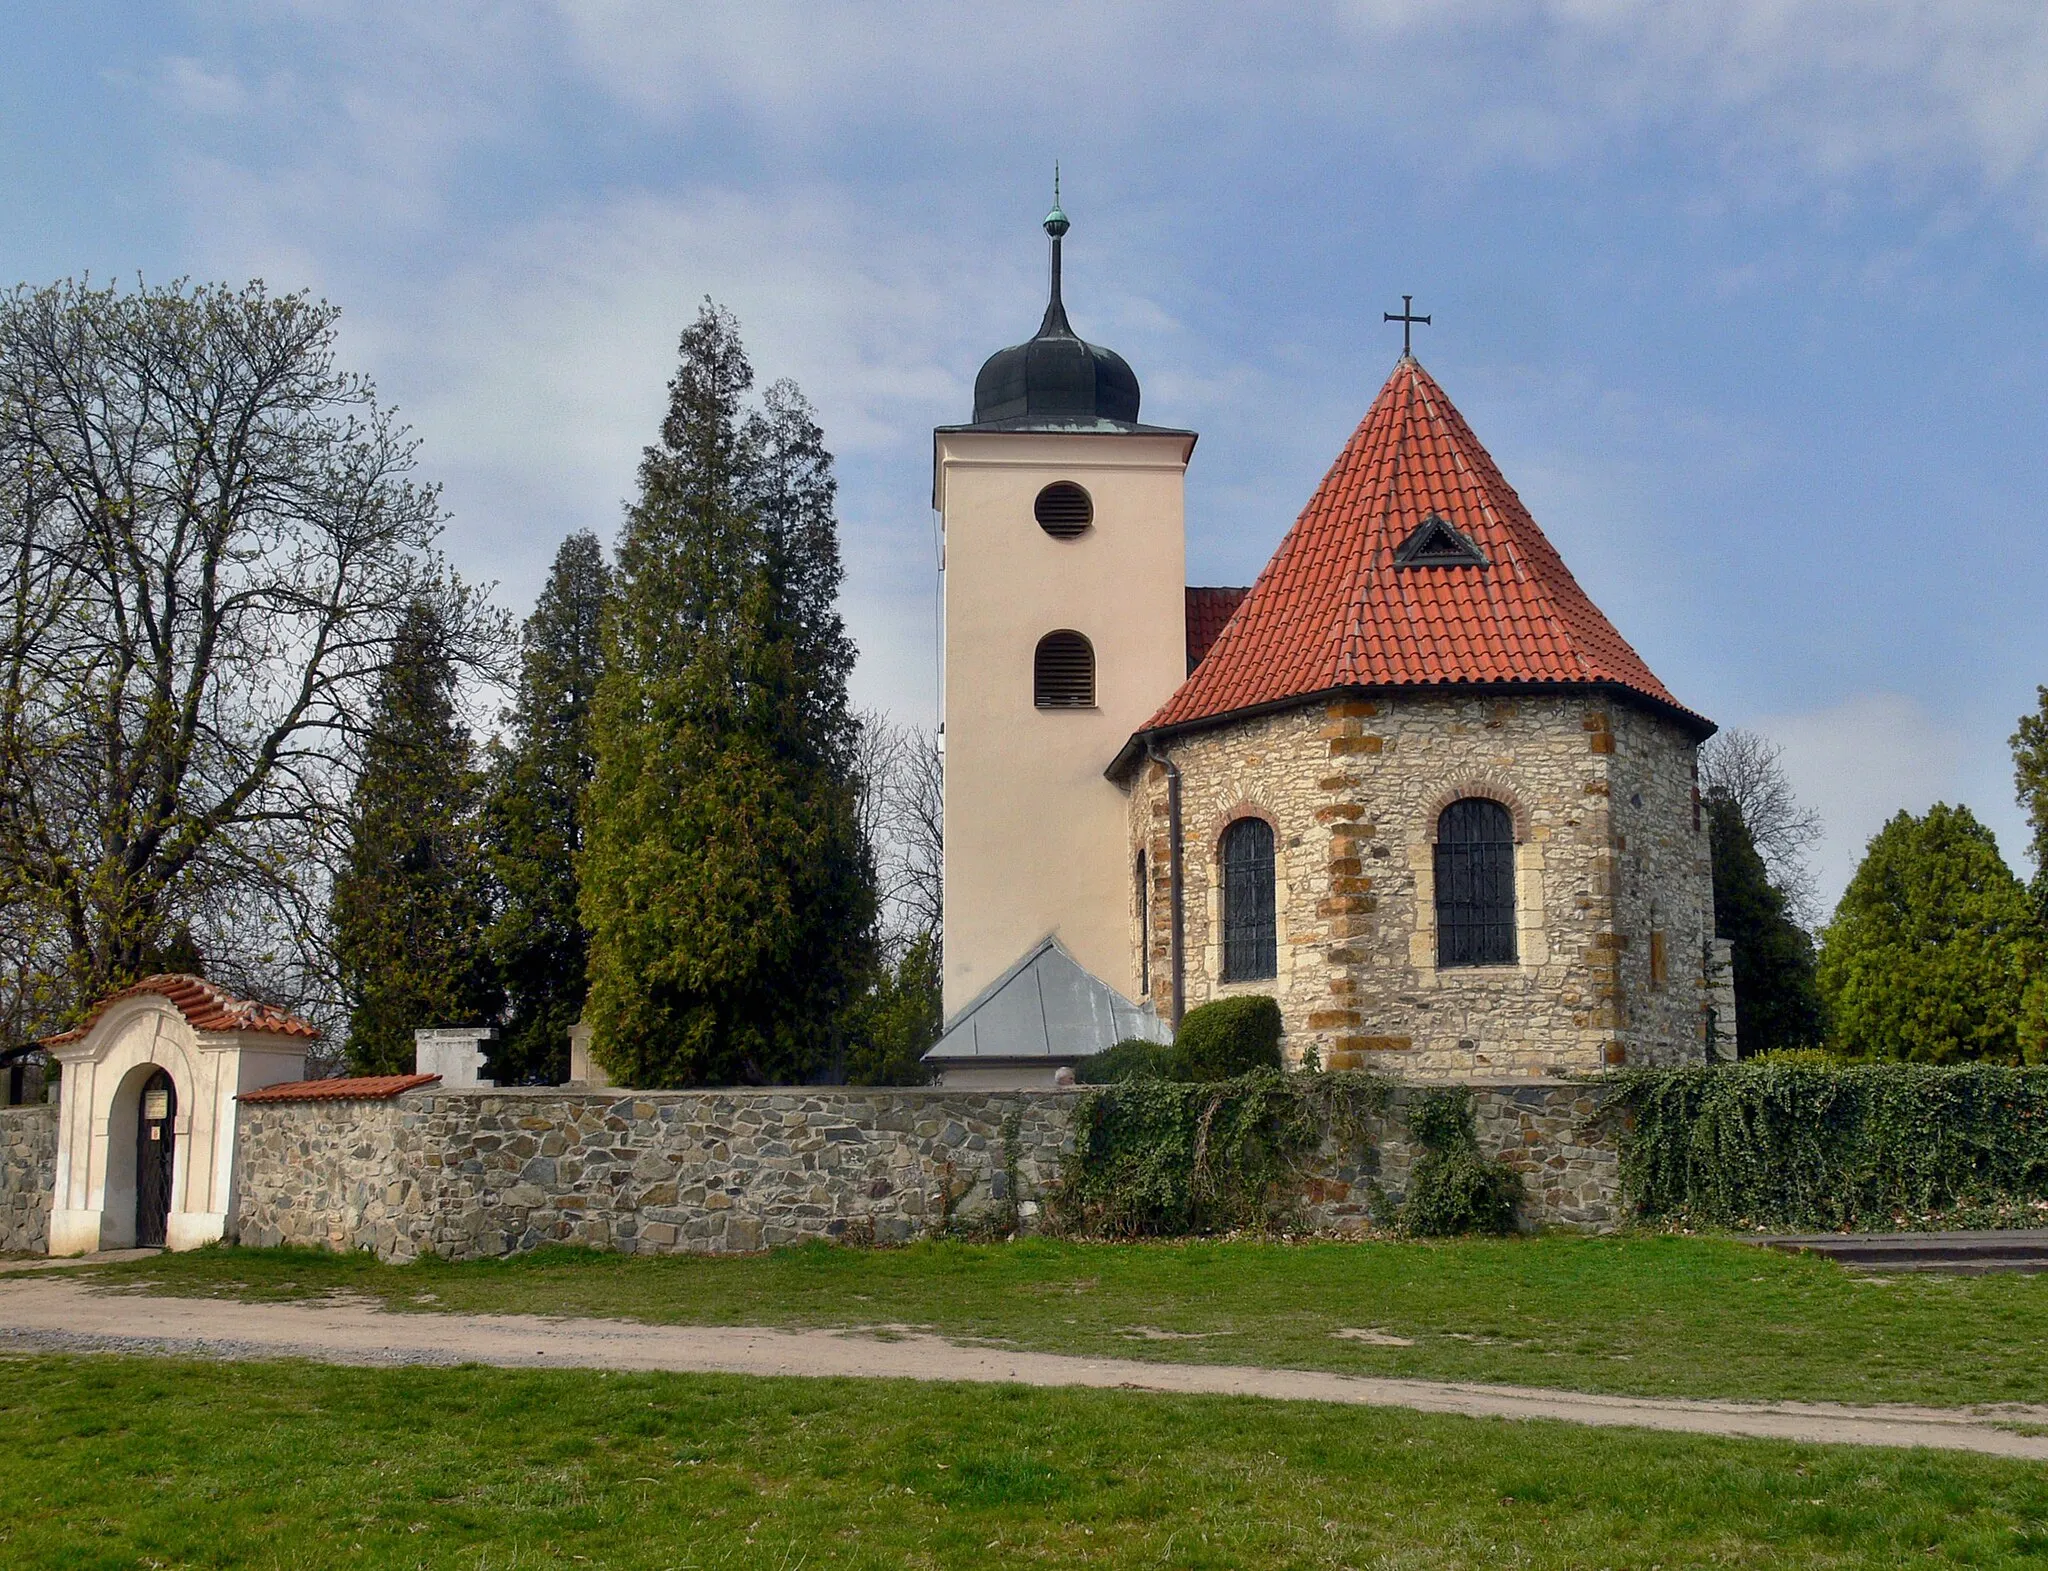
column 146, row 1116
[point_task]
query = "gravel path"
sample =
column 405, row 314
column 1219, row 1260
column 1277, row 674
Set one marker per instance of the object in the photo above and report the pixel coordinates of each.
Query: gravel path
column 53, row 1310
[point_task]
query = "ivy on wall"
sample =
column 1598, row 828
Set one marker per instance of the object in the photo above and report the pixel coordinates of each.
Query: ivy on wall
column 1815, row 1146
column 1156, row 1158
column 1455, row 1187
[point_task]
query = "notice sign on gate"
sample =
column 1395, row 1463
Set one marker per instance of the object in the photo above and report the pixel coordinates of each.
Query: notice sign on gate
column 156, row 1104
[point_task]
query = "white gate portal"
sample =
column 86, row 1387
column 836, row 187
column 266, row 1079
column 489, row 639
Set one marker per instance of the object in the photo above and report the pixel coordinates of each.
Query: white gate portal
column 211, row 1046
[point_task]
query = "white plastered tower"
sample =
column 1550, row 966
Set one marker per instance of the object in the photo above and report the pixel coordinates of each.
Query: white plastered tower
column 1036, row 838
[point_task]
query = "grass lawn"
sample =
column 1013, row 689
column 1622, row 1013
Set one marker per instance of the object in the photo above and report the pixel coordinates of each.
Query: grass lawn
column 125, row 1463
column 1645, row 1315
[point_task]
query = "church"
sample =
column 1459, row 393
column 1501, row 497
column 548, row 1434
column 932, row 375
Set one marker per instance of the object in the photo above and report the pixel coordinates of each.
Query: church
column 1412, row 783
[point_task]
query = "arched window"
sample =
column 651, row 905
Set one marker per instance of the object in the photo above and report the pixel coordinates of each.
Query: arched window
column 1250, row 950
column 1063, row 672
column 1064, row 510
column 1475, row 884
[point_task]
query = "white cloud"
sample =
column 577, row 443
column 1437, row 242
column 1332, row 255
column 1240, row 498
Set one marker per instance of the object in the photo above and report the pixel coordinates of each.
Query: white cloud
column 535, row 372
column 1790, row 91
column 192, row 88
column 373, row 151
column 1859, row 762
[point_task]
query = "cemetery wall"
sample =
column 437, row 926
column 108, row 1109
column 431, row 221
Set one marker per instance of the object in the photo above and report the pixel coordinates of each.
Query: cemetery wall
column 28, row 1177
column 471, row 1173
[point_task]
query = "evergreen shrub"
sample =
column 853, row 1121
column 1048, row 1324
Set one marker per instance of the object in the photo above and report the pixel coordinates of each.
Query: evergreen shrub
column 1157, row 1158
column 1133, row 1058
column 1229, row 1037
column 1932, row 947
column 1454, row 1187
column 890, row 1027
column 1801, row 1145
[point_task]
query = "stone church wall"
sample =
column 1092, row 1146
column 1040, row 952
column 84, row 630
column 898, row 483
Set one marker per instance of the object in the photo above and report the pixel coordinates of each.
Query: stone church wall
column 479, row 1173
column 1663, row 914
column 28, row 1177
column 1607, row 854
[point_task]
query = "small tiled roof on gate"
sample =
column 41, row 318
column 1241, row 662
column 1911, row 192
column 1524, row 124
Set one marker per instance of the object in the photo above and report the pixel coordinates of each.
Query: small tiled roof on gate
column 1341, row 606
column 205, row 1007
column 361, row 1088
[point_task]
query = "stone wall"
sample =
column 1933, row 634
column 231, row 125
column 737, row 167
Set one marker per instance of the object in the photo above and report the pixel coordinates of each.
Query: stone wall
column 477, row 1173
column 28, row 1177
column 1553, row 1136
column 1613, row 893
column 470, row 1173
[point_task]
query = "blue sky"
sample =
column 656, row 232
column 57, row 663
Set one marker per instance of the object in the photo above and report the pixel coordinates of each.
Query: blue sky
column 1747, row 298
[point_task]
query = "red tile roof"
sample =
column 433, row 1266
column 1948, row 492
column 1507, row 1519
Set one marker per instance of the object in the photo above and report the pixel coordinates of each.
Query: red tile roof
column 1208, row 610
column 1331, row 610
column 363, row 1088
column 204, row 1006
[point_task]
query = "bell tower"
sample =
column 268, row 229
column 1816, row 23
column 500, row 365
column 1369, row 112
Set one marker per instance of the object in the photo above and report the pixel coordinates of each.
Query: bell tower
column 1065, row 629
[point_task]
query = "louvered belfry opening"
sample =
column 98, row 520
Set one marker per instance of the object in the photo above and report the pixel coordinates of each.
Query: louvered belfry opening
column 1475, row 884
column 1251, row 950
column 1063, row 672
column 1064, row 510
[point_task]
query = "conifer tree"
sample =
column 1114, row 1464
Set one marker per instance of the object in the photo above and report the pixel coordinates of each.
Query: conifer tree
column 410, row 909
column 534, row 821
column 896, row 1019
column 1931, row 949
column 2030, row 777
column 1777, row 1003
column 726, row 887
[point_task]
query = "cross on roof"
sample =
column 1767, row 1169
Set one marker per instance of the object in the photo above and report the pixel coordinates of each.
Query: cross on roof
column 1407, row 319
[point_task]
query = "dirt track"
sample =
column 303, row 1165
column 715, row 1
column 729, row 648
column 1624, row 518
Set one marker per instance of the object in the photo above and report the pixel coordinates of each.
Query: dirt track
column 54, row 1310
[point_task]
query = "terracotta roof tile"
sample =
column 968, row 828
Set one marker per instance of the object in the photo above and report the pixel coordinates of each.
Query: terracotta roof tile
column 204, row 1006
column 1332, row 609
column 363, row 1088
column 1207, row 611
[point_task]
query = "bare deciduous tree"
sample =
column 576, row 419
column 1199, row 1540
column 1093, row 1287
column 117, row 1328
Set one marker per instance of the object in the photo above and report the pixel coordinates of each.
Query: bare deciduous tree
column 1749, row 769
column 208, row 532
column 902, row 776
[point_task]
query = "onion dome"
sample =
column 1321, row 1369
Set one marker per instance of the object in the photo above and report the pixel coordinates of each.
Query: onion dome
column 1056, row 380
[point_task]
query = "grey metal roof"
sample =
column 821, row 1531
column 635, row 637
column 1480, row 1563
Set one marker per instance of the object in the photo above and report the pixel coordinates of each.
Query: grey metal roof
column 1045, row 1007
column 1055, row 379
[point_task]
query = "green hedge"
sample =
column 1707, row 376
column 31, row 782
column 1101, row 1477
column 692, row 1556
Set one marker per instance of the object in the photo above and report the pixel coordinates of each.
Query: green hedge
column 1861, row 1146
column 1229, row 1037
column 1217, row 1041
column 1134, row 1058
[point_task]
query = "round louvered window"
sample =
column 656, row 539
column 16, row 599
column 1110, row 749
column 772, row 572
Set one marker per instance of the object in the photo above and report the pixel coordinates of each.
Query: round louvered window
column 1064, row 510
column 1063, row 672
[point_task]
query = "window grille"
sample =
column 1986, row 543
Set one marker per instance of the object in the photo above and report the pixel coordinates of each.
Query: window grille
column 1250, row 947
column 1063, row 672
column 1475, row 884
column 1064, row 510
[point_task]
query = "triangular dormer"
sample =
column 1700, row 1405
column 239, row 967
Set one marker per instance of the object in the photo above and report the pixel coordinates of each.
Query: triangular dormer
column 1436, row 544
